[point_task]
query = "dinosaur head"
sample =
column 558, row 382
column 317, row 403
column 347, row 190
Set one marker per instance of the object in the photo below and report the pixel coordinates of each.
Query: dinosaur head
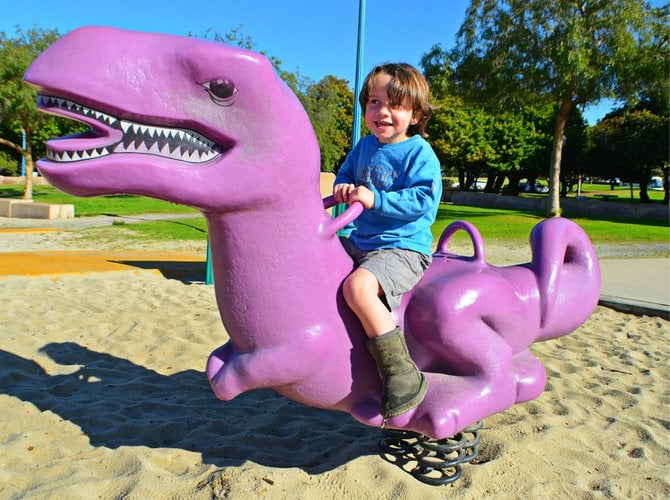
column 176, row 118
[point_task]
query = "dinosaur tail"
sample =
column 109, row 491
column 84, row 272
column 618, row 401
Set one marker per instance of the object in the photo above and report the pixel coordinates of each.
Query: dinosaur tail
column 567, row 274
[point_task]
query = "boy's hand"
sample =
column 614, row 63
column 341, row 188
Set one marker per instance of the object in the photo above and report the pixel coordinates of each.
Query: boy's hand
column 341, row 192
column 348, row 193
column 363, row 195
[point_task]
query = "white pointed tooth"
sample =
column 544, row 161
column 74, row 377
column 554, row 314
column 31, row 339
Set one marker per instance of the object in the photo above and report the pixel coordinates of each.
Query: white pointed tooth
column 125, row 126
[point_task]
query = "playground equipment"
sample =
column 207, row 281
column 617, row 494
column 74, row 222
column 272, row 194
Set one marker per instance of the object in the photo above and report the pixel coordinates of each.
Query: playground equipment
column 213, row 127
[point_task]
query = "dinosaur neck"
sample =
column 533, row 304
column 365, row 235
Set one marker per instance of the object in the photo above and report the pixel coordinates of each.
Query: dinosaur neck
column 274, row 257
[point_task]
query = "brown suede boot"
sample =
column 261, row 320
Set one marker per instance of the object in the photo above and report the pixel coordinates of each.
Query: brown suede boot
column 404, row 386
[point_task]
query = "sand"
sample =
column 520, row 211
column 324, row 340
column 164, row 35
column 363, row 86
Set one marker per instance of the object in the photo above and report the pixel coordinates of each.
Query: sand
column 103, row 394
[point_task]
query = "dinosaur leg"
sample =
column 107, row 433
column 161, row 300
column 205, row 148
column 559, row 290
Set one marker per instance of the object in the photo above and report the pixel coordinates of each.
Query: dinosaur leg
column 232, row 372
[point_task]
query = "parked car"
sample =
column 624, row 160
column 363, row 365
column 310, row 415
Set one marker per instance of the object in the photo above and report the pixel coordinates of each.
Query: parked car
column 539, row 187
column 655, row 184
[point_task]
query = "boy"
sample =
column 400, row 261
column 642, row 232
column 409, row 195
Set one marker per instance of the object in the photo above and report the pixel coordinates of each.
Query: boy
column 396, row 176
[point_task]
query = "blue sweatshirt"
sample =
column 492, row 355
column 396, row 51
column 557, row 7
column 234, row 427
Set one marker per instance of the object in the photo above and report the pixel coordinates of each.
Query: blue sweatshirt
column 407, row 182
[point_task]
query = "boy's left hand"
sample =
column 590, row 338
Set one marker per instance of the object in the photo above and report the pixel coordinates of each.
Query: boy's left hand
column 363, row 195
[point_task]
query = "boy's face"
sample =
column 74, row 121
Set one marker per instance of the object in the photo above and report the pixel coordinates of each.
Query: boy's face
column 389, row 124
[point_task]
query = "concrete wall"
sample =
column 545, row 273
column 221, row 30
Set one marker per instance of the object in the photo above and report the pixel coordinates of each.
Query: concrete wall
column 571, row 206
column 37, row 181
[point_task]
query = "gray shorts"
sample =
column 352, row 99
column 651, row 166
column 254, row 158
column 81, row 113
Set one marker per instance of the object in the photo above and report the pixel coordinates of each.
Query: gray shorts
column 397, row 270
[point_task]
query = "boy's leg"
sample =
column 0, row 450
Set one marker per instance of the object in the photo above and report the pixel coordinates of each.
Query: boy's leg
column 403, row 385
column 362, row 293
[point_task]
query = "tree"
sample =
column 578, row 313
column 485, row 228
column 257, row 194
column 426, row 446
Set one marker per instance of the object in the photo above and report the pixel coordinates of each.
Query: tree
column 329, row 105
column 458, row 134
column 632, row 146
column 569, row 53
column 514, row 140
column 436, row 68
column 18, row 111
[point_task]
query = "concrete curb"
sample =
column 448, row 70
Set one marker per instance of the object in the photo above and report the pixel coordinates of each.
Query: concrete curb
column 637, row 307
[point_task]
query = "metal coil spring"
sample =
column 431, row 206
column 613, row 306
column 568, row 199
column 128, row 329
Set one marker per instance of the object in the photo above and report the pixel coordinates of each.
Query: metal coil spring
column 432, row 461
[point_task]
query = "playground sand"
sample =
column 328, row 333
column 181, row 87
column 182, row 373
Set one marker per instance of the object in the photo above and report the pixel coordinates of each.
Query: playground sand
column 103, row 394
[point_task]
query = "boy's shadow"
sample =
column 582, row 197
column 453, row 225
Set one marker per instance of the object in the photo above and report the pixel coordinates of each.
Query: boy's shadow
column 118, row 403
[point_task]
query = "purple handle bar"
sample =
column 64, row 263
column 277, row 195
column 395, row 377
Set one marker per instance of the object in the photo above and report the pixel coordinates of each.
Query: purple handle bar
column 356, row 208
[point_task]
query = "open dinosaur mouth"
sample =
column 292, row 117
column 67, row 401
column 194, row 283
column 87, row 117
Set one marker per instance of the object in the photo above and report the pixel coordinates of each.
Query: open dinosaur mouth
column 110, row 135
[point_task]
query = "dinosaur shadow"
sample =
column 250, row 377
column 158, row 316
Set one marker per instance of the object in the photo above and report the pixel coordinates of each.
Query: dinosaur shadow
column 187, row 272
column 118, row 403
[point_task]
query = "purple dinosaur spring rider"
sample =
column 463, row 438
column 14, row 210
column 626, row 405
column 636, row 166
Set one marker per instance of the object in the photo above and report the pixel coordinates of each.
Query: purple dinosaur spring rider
column 211, row 126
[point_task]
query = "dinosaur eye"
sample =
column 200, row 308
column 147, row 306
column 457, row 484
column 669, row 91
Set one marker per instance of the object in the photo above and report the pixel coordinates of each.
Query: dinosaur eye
column 221, row 91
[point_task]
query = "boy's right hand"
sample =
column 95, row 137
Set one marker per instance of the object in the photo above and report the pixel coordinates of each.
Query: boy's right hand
column 341, row 192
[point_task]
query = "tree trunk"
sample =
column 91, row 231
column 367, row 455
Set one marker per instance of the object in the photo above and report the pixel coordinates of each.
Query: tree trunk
column 644, row 195
column 554, row 208
column 27, row 154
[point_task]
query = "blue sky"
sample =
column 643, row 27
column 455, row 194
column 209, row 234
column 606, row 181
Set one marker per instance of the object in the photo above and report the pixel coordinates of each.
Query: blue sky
column 315, row 37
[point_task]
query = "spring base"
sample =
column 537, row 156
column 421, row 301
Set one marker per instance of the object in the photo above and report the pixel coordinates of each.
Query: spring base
column 432, row 461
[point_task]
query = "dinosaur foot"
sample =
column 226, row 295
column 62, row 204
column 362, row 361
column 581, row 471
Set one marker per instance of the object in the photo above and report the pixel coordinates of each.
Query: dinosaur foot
column 451, row 404
column 529, row 376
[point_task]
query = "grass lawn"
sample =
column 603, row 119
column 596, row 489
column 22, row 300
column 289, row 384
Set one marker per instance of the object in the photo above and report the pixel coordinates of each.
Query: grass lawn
column 514, row 225
column 495, row 225
column 97, row 205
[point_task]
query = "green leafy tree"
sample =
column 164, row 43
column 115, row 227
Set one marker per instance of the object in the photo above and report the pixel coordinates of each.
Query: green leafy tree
column 459, row 136
column 18, row 112
column 436, row 68
column 514, row 139
column 568, row 53
column 632, row 146
column 329, row 105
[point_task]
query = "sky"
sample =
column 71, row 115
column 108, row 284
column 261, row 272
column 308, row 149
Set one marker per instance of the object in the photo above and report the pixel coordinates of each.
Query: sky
column 312, row 37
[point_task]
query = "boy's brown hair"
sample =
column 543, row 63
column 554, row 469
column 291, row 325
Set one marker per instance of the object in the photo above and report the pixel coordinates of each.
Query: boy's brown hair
column 408, row 88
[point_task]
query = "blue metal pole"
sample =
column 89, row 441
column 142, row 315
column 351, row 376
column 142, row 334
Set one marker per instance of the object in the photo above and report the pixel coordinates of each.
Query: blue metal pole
column 23, row 158
column 356, row 129
column 358, row 84
column 209, row 273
